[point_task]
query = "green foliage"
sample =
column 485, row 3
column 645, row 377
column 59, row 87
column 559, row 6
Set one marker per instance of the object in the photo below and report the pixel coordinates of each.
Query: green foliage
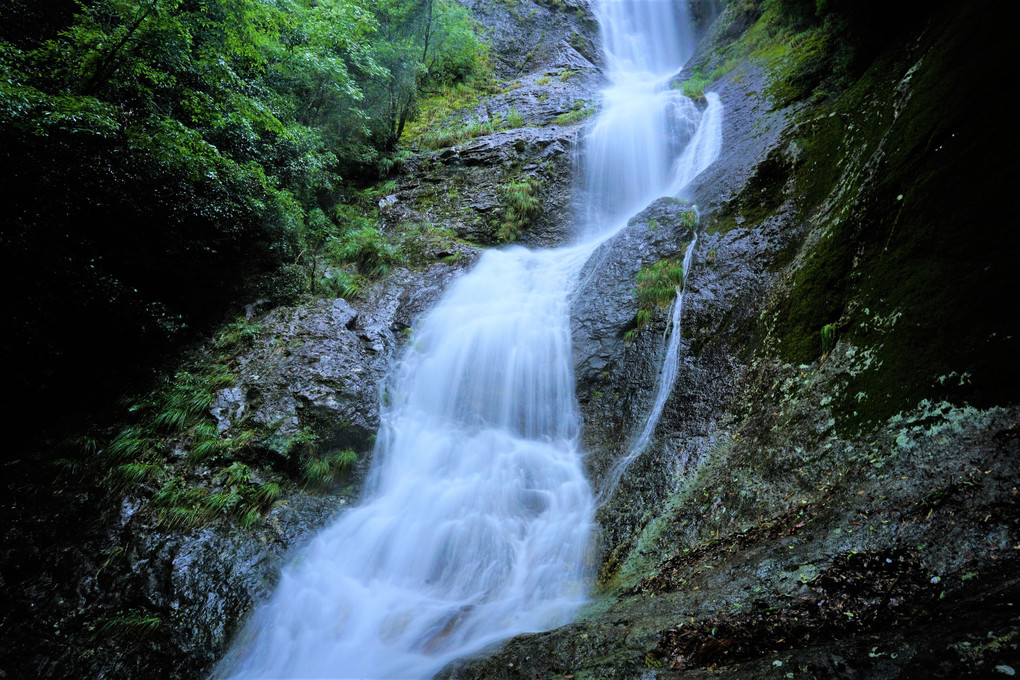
column 828, row 337
column 131, row 442
column 187, row 398
column 520, row 204
column 339, row 283
column 267, row 494
column 321, row 472
column 238, row 334
column 658, row 284
column 424, row 44
column 343, row 252
column 690, row 218
column 366, row 247
column 575, row 116
column 178, row 505
column 236, row 473
column 514, row 119
column 544, row 80
column 185, row 147
column 458, row 134
column 132, row 624
column 694, row 88
column 437, row 111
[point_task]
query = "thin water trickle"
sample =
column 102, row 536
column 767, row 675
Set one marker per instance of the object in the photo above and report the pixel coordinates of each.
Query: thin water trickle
column 479, row 518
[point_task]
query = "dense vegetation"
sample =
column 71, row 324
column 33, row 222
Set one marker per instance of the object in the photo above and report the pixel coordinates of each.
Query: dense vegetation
column 167, row 159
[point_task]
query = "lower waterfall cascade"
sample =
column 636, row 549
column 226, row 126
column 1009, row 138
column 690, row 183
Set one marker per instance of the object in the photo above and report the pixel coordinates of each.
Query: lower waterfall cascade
column 478, row 519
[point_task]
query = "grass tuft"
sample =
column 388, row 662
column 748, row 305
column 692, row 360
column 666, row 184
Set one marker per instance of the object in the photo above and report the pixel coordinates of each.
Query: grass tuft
column 131, row 624
column 520, row 205
column 321, row 472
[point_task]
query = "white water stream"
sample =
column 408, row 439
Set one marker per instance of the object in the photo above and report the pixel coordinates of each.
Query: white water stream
column 478, row 522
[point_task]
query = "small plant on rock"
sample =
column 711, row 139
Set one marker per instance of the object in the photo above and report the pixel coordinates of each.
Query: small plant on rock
column 657, row 285
column 321, row 472
column 828, row 336
column 520, row 205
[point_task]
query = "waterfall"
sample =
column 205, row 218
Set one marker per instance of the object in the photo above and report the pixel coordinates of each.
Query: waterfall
column 699, row 153
column 478, row 522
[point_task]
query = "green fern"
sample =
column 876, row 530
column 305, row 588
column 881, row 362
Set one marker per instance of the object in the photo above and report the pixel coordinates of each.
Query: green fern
column 236, row 473
column 341, row 284
column 690, row 218
column 239, row 333
column 205, row 450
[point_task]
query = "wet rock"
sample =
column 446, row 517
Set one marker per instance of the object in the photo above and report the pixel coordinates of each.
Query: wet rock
column 616, row 379
column 320, row 366
column 550, row 93
column 463, row 188
column 526, row 35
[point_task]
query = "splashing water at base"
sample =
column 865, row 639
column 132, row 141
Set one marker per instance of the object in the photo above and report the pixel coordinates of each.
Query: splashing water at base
column 478, row 524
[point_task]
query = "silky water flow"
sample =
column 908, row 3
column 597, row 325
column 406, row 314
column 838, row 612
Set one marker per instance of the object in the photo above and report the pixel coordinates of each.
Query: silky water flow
column 477, row 520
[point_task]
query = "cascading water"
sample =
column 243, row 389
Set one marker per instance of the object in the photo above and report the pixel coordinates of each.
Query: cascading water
column 478, row 521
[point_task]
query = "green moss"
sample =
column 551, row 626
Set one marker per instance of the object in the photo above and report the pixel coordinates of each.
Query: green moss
column 437, row 111
column 759, row 197
column 913, row 248
column 817, row 295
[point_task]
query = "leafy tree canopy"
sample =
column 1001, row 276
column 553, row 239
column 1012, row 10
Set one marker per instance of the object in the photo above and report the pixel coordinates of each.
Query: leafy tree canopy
column 164, row 156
